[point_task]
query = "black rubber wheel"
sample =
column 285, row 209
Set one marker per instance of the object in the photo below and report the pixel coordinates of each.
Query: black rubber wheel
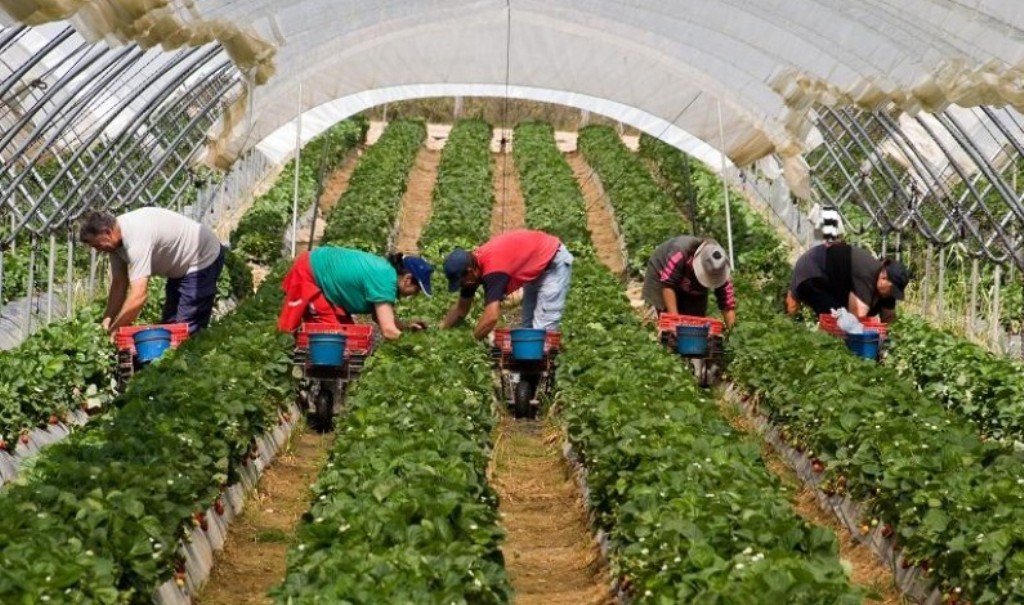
column 523, row 394
column 322, row 419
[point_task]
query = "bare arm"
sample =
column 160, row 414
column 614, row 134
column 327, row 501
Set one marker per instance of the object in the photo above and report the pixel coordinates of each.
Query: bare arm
column 671, row 304
column 384, row 315
column 730, row 317
column 857, row 306
column 117, row 294
column 457, row 312
column 488, row 320
column 132, row 305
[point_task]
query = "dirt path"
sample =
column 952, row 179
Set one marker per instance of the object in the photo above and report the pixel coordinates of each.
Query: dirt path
column 866, row 570
column 600, row 220
column 549, row 553
column 253, row 560
column 509, row 208
column 417, row 201
column 334, row 188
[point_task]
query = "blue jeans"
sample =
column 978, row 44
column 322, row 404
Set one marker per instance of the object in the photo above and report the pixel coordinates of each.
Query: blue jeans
column 189, row 299
column 544, row 297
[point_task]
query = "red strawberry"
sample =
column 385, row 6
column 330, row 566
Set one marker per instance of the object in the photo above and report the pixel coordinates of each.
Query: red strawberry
column 179, row 579
column 54, row 419
column 817, row 465
column 218, row 506
column 886, row 530
column 24, row 438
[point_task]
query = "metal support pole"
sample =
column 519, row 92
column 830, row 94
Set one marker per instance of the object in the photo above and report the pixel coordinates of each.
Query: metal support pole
column 996, row 310
column 30, row 285
column 725, row 188
column 973, row 312
column 928, row 281
column 899, row 246
column 92, row 273
column 298, row 164
column 50, row 270
column 3, row 255
column 69, row 299
column 940, row 297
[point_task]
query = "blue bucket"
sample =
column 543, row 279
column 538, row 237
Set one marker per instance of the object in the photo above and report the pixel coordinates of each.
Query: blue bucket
column 528, row 344
column 692, row 341
column 151, row 343
column 864, row 345
column 327, row 349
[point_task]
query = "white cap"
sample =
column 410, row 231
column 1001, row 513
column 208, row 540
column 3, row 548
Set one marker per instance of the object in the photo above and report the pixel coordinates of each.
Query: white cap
column 711, row 265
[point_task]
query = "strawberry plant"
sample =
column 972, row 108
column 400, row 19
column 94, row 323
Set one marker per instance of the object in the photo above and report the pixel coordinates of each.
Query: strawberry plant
column 403, row 512
column 366, row 213
column 258, row 236
column 645, row 213
column 464, row 194
column 966, row 378
column 101, row 512
column 690, row 511
column 556, row 204
column 951, row 497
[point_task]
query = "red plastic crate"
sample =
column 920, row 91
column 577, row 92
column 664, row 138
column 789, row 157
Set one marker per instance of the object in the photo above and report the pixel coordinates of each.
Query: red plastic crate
column 125, row 341
column 503, row 340
column 667, row 322
column 358, row 337
column 827, row 323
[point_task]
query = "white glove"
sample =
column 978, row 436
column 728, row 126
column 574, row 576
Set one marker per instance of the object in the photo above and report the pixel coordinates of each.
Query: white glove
column 847, row 322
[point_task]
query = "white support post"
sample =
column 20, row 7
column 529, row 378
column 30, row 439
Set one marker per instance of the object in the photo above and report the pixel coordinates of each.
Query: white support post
column 51, row 269
column 940, row 297
column 725, row 188
column 928, row 281
column 69, row 281
column 30, row 285
column 996, row 310
column 972, row 327
column 298, row 164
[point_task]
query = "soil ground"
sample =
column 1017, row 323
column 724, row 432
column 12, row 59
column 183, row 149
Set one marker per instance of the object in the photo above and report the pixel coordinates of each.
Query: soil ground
column 549, row 552
column 867, row 571
column 417, row 201
column 600, row 221
column 509, row 209
column 253, row 559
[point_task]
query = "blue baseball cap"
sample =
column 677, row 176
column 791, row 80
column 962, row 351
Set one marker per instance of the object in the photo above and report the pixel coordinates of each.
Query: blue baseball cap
column 421, row 271
column 455, row 266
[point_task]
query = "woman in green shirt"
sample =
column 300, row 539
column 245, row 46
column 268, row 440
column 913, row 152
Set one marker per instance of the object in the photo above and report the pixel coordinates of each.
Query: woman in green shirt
column 329, row 285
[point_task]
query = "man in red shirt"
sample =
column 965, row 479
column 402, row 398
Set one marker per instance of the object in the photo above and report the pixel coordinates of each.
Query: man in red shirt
column 532, row 260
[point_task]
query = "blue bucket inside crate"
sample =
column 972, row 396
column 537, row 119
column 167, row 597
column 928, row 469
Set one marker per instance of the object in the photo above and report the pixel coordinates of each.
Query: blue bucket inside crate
column 528, row 344
column 151, row 343
column 692, row 341
column 864, row 345
column 327, row 349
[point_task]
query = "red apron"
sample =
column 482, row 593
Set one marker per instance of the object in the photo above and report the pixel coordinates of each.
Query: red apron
column 304, row 301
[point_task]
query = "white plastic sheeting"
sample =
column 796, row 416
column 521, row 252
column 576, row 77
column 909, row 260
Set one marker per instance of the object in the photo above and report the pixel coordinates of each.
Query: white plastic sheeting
column 763, row 62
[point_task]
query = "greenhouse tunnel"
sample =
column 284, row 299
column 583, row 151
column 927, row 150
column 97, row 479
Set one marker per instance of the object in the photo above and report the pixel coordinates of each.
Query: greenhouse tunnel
column 907, row 116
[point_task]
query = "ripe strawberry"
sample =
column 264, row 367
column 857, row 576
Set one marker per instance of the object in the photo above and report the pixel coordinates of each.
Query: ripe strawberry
column 54, row 419
column 218, row 506
column 199, row 519
column 179, row 579
column 817, row 465
column 24, row 438
column 886, row 530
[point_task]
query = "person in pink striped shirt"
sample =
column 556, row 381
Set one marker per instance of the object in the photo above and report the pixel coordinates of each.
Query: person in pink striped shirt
column 681, row 273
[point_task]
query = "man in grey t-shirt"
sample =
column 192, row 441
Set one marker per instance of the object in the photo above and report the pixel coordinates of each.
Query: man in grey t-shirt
column 156, row 241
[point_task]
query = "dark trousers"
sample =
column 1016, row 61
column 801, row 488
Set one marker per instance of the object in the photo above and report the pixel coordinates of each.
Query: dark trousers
column 688, row 304
column 189, row 299
column 817, row 294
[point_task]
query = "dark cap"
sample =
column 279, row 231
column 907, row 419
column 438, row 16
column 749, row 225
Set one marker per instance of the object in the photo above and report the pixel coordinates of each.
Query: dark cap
column 421, row 271
column 455, row 265
column 899, row 276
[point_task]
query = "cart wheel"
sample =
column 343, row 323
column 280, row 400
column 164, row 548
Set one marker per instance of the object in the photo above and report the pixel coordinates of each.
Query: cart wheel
column 323, row 413
column 704, row 373
column 523, row 395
